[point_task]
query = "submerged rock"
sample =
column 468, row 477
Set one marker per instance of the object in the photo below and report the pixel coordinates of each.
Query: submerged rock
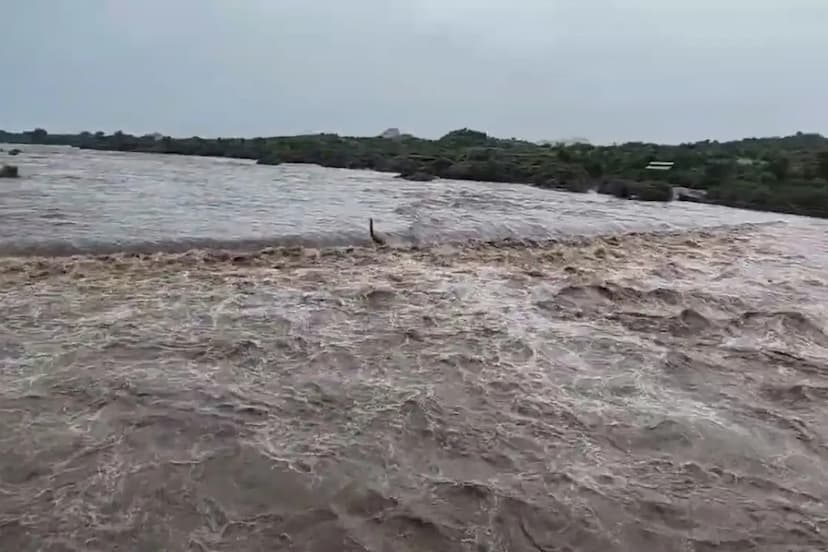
column 418, row 177
column 651, row 191
column 632, row 189
column 689, row 194
column 9, row 171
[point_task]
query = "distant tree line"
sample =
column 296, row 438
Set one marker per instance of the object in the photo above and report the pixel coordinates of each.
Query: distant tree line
column 786, row 174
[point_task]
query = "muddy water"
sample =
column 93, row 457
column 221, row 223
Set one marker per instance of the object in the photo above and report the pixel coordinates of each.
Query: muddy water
column 73, row 201
column 663, row 390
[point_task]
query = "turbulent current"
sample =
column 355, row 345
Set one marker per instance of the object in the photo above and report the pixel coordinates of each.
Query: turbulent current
column 207, row 355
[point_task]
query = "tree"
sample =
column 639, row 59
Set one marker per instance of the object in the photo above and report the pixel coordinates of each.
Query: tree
column 779, row 166
column 465, row 137
column 594, row 168
column 39, row 135
column 822, row 164
column 717, row 173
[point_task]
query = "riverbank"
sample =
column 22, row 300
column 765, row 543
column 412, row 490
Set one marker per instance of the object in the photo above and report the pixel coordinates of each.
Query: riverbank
column 788, row 174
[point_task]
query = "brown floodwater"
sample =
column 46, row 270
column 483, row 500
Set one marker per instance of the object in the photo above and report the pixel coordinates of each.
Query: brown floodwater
column 587, row 374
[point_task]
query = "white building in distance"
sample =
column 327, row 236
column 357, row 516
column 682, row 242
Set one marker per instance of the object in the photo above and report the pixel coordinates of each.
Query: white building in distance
column 391, row 133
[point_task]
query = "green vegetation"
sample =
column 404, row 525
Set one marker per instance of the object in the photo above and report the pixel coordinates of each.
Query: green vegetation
column 788, row 174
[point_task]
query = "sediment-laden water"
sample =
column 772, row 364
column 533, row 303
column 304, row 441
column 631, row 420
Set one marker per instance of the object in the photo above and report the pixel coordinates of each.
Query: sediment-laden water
column 588, row 374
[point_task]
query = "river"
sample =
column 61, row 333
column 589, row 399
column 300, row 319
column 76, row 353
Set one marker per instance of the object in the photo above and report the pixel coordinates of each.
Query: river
column 194, row 367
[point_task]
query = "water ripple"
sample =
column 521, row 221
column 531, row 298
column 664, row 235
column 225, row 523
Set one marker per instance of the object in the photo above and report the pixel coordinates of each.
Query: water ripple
column 72, row 201
column 660, row 391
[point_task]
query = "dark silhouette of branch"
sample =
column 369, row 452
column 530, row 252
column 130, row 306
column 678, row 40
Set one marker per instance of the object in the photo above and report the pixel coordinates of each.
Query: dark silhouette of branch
column 376, row 239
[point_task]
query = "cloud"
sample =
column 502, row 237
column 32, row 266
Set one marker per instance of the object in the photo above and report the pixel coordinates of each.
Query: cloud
column 611, row 70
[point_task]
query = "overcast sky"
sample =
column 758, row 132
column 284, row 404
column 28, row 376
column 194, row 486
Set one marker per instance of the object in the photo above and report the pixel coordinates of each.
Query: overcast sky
column 607, row 70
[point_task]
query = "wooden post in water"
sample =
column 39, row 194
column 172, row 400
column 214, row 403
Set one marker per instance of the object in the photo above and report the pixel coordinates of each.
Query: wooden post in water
column 376, row 239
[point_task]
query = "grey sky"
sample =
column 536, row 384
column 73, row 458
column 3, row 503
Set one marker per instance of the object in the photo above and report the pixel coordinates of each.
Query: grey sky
column 608, row 70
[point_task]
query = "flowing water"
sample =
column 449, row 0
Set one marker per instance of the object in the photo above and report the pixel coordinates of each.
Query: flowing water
column 518, row 370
